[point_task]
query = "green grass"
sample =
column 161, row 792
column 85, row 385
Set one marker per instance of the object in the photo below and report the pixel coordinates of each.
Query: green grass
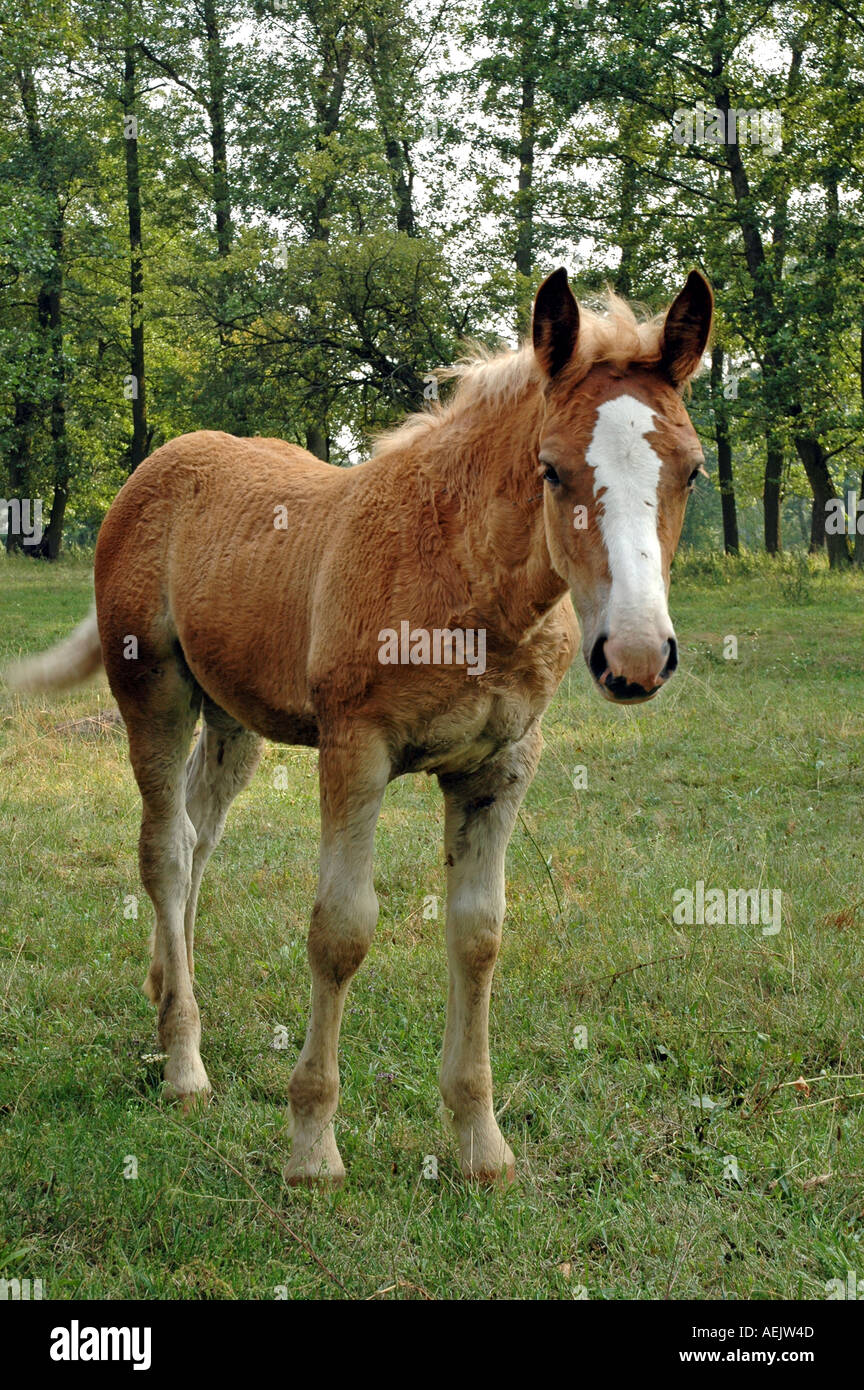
column 746, row 772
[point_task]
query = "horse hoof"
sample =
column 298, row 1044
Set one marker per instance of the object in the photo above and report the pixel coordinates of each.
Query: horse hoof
column 191, row 1092
column 492, row 1177
column 313, row 1177
column 194, row 1101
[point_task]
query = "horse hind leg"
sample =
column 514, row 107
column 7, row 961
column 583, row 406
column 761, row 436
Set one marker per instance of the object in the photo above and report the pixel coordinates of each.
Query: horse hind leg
column 160, row 715
column 221, row 764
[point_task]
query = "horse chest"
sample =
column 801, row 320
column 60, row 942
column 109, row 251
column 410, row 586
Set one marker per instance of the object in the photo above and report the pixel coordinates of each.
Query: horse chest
column 464, row 737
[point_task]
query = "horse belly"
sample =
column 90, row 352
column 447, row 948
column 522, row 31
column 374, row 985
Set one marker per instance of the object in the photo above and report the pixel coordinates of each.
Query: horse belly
column 255, row 675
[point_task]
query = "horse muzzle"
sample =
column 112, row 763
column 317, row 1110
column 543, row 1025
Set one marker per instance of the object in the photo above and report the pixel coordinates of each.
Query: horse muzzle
column 631, row 675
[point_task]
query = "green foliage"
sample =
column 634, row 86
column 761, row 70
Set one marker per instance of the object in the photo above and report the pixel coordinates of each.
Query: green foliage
column 333, row 200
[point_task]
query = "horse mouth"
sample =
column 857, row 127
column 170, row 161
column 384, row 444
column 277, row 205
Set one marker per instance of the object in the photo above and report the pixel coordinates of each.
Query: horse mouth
column 618, row 689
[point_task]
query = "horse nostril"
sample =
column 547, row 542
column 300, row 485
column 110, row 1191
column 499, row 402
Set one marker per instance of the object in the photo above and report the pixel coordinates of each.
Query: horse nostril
column 671, row 660
column 597, row 660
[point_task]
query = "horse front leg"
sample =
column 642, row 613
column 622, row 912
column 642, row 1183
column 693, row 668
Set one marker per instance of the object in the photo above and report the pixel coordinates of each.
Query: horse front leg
column 353, row 773
column 480, row 812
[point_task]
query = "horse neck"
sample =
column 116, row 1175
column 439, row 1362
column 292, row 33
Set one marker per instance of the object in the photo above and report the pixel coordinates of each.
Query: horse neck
column 489, row 462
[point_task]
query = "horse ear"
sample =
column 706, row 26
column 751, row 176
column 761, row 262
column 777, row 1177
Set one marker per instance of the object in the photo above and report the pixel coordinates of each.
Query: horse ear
column 555, row 325
column 686, row 330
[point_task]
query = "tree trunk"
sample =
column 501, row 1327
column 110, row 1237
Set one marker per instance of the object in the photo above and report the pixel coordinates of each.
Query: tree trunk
column 817, row 528
column 215, row 106
column 317, row 442
column 330, row 90
column 724, row 454
column 383, row 47
column 328, row 106
column 139, row 443
column 631, row 125
column 50, row 544
column 402, row 179
column 771, row 493
column 218, row 141
column 626, row 235
column 812, row 455
column 50, row 313
column 525, row 198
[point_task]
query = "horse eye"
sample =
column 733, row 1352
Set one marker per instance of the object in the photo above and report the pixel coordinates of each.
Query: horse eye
column 550, row 476
column 693, row 476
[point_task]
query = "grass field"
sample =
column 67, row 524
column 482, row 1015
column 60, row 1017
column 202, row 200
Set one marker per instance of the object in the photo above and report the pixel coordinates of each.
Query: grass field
column 673, row 1156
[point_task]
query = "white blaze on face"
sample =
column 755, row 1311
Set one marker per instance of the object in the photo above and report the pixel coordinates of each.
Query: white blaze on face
column 626, row 473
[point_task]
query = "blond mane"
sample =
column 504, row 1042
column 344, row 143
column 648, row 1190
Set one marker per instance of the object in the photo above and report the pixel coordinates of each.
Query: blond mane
column 614, row 335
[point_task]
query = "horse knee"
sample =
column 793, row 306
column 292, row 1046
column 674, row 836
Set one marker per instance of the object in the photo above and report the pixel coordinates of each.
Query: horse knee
column 474, row 934
column 340, row 935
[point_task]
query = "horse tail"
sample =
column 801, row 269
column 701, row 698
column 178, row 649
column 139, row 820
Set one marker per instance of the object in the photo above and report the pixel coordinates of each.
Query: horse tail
column 74, row 659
